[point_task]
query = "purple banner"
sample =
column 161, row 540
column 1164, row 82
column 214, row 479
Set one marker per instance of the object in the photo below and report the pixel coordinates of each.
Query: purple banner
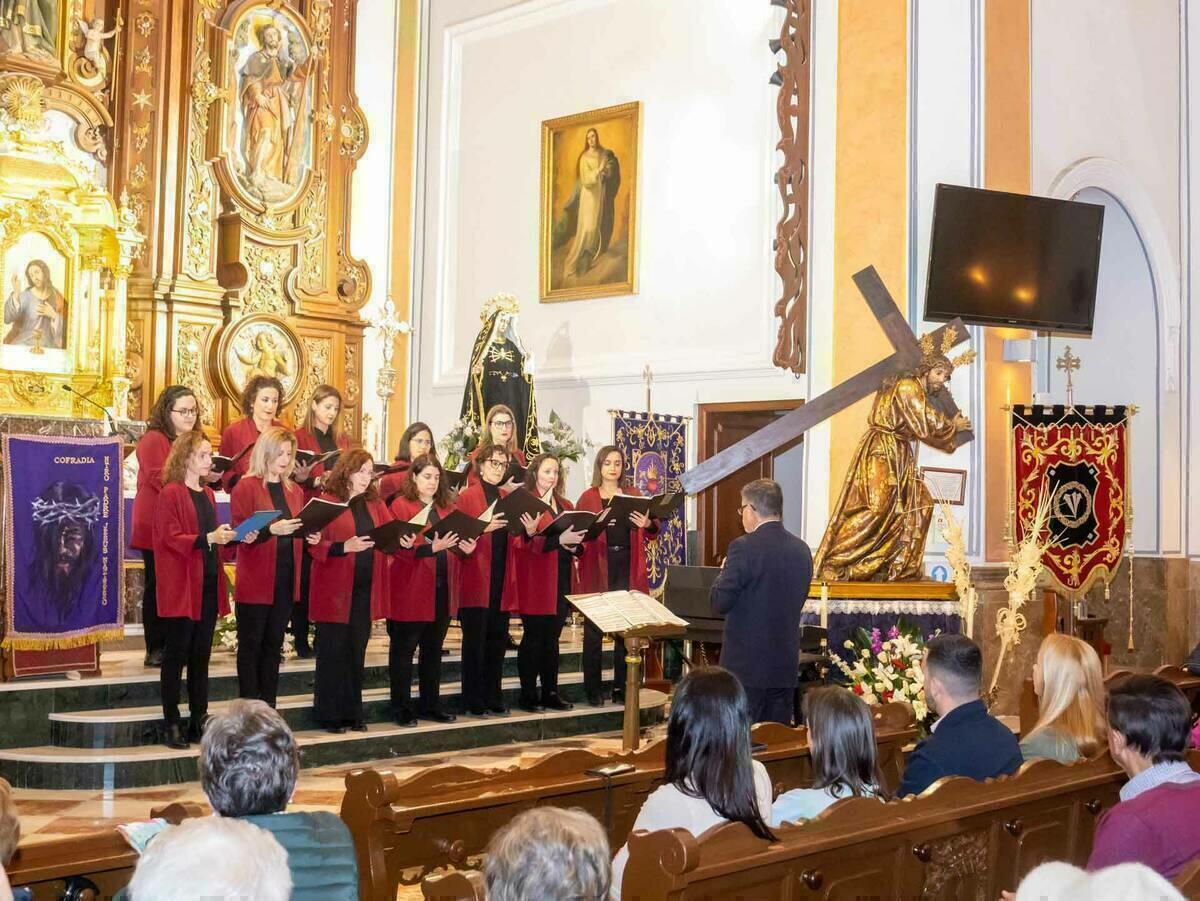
column 133, row 555
column 64, row 538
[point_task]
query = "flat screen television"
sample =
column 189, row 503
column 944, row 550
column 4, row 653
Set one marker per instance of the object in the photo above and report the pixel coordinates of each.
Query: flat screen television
column 1013, row 259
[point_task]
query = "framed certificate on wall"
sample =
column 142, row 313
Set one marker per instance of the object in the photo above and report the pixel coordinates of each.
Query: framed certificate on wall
column 946, row 485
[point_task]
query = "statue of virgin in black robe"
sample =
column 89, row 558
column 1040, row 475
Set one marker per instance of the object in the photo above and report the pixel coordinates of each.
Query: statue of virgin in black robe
column 497, row 376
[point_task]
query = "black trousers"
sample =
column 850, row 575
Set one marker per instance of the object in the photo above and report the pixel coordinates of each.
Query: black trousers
column 484, row 643
column 152, row 624
column 426, row 639
column 300, row 608
column 341, row 658
column 260, row 629
column 770, row 705
column 593, row 661
column 537, row 657
column 187, row 643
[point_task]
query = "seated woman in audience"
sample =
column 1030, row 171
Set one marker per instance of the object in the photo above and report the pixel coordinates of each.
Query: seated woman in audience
column 550, row 854
column 249, row 764
column 710, row 777
column 10, row 837
column 841, row 743
column 1070, row 690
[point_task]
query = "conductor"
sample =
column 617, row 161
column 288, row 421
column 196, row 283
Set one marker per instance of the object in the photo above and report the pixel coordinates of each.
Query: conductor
column 760, row 591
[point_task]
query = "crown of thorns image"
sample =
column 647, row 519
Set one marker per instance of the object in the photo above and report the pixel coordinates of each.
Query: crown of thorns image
column 46, row 512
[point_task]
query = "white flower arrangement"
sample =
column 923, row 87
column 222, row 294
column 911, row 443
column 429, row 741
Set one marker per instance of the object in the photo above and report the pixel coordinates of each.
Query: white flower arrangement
column 558, row 440
column 887, row 668
column 459, row 443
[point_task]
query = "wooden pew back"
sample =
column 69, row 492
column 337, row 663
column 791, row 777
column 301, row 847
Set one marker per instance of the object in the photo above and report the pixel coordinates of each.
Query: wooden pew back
column 444, row 817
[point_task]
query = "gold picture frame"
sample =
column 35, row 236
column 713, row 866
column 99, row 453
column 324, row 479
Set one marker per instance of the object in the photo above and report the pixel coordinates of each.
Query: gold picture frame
column 260, row 344
column 589, row 199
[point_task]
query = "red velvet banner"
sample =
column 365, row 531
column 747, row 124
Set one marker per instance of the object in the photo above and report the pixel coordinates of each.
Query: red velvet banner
column 1079, row 458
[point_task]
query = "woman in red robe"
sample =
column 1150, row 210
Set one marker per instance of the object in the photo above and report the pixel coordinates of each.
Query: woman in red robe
column 615, row 561
column 261, row 399
column 321, row 433
column 193, row 592
column 544, row 575
column 499, row 427
column 417, row 441
column 349, row 590
column 174, row 413
column 424, row 597
column 486, row 591
column 268, row 570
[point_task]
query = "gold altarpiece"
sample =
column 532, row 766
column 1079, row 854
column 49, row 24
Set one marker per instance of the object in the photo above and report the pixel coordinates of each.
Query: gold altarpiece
column 229, row 131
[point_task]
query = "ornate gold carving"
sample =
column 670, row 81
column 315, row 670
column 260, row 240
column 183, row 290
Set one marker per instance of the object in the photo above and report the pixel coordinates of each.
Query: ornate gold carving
column 137, row 175
column 141, row 136
column 143, row 61
column 40, row 213
column 32, row 388
column 352, row 134
column 316, row 372
column 144, row 24
column 958, row 862
column 200, row 188
column 133, row 336
column 23, row 98
column 189, row 356
column 353, row 392
column 266, row 268
column 353, row 279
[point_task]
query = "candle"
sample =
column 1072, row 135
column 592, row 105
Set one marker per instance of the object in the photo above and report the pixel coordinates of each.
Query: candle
column 824, row 605
column 1008, row 394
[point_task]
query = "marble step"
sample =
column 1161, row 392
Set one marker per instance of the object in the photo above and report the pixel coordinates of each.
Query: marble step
column 124, row 727
column 48, row 767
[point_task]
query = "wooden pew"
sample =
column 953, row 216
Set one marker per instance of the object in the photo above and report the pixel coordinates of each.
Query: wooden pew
column 959, row 839
column 104, row 857
column 1188, row 684
column 444, row 817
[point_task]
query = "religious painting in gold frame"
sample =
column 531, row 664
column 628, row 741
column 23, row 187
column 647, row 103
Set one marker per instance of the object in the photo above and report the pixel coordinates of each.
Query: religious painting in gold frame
column 260, row 345
column 589, row 189
column 34, row 34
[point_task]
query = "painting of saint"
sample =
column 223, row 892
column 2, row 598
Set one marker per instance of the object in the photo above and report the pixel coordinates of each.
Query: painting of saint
column 589, row 164
column 35, row 310
column 272, row 128
column 29, row 28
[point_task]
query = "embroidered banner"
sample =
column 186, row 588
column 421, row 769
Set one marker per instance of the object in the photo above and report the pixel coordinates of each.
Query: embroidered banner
column 1079, row 456
column 63, row 528
column 655, row 447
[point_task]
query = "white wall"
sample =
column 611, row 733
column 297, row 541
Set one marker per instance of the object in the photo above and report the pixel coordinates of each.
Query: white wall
column 702, row 317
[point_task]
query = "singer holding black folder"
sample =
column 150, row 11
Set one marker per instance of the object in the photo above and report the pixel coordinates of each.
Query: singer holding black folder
column 615, row 561
column 486, row 590
column 349, row 589
column 268, row 570
column 545, row 570
column 424, row 596
column 320, row 434
column 260, row 402
column 174, row 413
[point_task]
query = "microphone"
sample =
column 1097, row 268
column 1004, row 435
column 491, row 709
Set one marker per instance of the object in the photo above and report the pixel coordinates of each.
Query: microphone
column 112, row 422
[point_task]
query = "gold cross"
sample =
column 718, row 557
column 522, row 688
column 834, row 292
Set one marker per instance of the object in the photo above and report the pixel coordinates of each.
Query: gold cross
column 647, row 377
column 1068, row 363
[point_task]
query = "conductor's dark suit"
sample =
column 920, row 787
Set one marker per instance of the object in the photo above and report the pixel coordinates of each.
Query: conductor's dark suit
column 760, row 592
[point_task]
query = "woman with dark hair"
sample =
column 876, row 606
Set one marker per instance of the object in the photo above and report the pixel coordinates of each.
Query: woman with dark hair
column 417, row 441
column 261, row 401
column 710, row 777
column 841, row 742
column 186, row 542
column 320, row 434
column 349, row 589
column 615, row 561
column 544, row 573
column 175, row 412
column 424, row 596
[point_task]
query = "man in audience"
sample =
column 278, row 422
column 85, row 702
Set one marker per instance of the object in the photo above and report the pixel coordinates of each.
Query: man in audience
column 1156, row 822
column 760, row 591
column 966, row 740
column 212, row 858
column 550, row 854
column 248, row 769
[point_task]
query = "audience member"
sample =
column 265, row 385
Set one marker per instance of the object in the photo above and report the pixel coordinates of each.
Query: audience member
column 710, row 776
column 966, row 740
column 841, row 740
column 1070, row 690
column 1155, row 822
column 1063, row 882
column 10, row 837
column 248, row 769
column 548, row 853
column 212, row 858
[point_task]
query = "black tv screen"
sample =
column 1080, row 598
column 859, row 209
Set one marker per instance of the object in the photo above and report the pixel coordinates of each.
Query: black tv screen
column 1013, row 259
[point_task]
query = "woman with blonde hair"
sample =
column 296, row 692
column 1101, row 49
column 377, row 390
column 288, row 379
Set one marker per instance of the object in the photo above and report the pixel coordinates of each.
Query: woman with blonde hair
column 268, row 570
column 1070, row 690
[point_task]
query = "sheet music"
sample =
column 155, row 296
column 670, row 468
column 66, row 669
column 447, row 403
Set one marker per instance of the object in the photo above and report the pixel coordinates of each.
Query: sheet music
column 601, row 613
column 642, row 610
column 615, row 612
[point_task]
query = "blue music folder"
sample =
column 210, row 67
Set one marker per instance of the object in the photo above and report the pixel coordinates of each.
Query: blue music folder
column 253, row 523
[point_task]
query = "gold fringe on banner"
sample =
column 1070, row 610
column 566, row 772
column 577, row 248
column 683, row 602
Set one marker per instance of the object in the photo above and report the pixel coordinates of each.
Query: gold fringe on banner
column 63, row 642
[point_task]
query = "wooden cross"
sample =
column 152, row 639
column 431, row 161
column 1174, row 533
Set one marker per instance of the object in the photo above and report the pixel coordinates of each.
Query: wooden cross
column 787, row 428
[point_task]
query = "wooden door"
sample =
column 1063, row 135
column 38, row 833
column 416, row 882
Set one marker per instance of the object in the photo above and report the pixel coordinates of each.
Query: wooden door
column 718, row 427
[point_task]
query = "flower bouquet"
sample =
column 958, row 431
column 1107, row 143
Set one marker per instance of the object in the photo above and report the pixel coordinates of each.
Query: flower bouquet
column 462, row 439
column 558, row 440
column 887, row 667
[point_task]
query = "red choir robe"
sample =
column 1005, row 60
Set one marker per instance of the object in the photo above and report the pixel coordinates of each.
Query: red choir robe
column 237, row 435
column 307, row 441
column 255, row 582
column 331, row 584
column 593, row 564
column 412, row 596
column 152, row 450
column 178, row 563
column 390, row 483
column 536, row 569
column 473, row 474
column 475, row 571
